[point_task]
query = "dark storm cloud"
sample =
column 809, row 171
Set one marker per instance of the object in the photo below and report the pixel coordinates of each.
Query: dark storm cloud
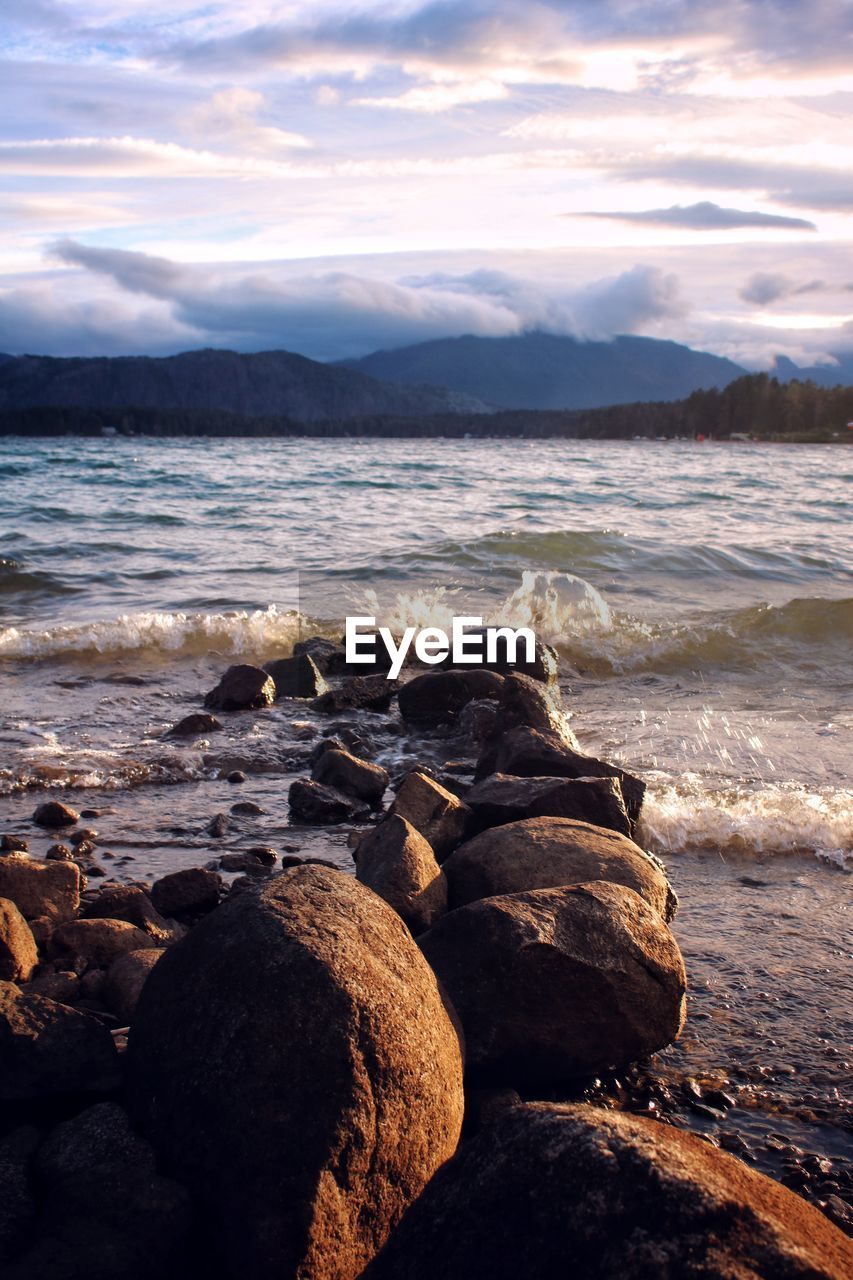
column 707, row 216
column 770, row 286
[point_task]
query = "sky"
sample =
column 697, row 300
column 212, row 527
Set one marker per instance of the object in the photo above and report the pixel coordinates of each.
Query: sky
column 340, row 176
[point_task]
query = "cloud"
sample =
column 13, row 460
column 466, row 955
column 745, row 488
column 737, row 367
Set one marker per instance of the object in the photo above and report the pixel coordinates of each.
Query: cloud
column 433, row 98
column 37, row 320
column 769, row 286
column 707, row 216
column 812, row 187
column 336, row 314
column 232, row 115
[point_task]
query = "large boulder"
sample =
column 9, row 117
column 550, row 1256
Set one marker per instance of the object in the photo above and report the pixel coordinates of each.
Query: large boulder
column 126, row 977
column 503, row 798
column 354, row 777
column 48, row 1048
column 49, row 889
column 439, row 815
column 527, row 703
column 542, row 666
column 186, row 894
column 528, row 752
column 294, row 1064
column 395, row 861
column 358, row 693
column 317, row 805
column 544, row 853
column 17, row 1206
column 559, row 983
column 242, row 688
column 554, row 1190
column 437, row 697
column 296, row 677
column 18, row 952
column 96, row 943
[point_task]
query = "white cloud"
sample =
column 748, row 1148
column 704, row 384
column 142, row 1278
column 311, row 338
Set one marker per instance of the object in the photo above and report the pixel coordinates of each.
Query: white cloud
column 434, row 98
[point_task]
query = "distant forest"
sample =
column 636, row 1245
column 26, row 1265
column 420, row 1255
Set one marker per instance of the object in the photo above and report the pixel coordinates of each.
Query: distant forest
column 756, row 406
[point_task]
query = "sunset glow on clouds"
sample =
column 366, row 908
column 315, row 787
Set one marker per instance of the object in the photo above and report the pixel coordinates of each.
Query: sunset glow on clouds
column 332, row 177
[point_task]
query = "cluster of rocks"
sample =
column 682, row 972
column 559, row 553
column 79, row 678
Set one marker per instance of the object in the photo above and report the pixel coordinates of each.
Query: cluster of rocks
column 271, row 1079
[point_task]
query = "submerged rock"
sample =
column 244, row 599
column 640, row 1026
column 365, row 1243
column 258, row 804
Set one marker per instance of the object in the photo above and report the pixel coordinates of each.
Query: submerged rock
column 242, row 688
column 296, row 677
column 544, row 853
column 18, row 952
column 344, row 771
column 47, row 1049
column 395, row 861
column 503, row 798
column 293, row 1062
column 557, row 983
column 50, row 889
column 550, row 1190
column 314, row 803
column 435, row 812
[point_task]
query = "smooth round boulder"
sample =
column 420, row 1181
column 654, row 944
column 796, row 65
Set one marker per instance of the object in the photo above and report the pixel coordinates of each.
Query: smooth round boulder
column 544, row 853
column 554, row 1190
column 559, row 983
column 294, row 1064
column 395, row 861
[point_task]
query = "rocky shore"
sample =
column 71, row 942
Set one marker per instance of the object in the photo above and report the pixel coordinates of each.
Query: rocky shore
column 436, row 1066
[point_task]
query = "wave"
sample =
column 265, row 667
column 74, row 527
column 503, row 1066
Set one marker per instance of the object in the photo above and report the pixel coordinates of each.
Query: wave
column 16, row 579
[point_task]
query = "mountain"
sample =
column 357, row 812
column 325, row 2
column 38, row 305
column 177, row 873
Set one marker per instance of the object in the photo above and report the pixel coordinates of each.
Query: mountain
column 825, row 375
column 546, row 371
column 266, row 383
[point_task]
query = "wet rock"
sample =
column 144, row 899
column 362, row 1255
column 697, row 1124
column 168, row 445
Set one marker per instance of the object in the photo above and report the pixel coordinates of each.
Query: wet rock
column 85, row 835
column 131, row 903
column 395, row 861
column 557, row 983
column 97, row 942
column 348, row 1065
column 125, row 979
column 246, row 809
column 235, row 777
column 296, row 677
column 244, row 862
column 526, row 703
column 18, row 953
column 437, row 697
column 618, row 1195
column 242, row 688
column 503, row 798
column 59, row 853
column 194, row 725
column 354, row 777
column 435, row 812
column 186, row 894
column 264, row 853
column 49, row 889
column 358, row 693
column 218, row 826
column 328, row 657
column 543, row 666
column 313, row 803
column 47, row 1049
column 544, row 853
column 13, row 844
column 53, row 814
column 530, row 752
column 478, row 721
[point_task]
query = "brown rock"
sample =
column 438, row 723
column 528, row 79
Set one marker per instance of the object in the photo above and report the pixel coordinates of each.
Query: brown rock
column 315, row 804
column 97, row 942
column 59, row 853
column 18, row 953
column 191, row 726
column 47, row 1049
column 62, row 985
column 40, row 888
column 395, row 861
column 544, row 853
column 126, row 977
column 437, row 697
column 296, row 677
column 53, row 814
column 543, row 666
column 358, row 693
column 558, row 983
column 551, row 1190
column 131, row 903
column 242, row 688
column 243, row 861
column 13, row 844
column 504, row 798
column 295, row 1067
column 186, row 894
column 354, row 777
column 435, row 812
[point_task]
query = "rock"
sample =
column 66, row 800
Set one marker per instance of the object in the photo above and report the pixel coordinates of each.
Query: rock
column 47, row 1049
column 235, row 777
column 246, row 808
column 329, row 658
column 62, row 986
column 49, row 889
column 555, row 1190
column 126, row 977
column 354, row 777
column 132, row 903
column 435, row 812
column 503, row 798
column 543, row 666
column 296, row 677
column 218, row 826
column 264, row 853
column 59, row 853
column 437, row 697
column 99, row 1137
column 85, row 835
column 53, row 814
column 18, row 952
column 558, row 983
column 294, row 1065
column 544, row 853
column 13, row 844
column 313, row 803
column 200, row 722
column 527, row 703
column 97, row 942
column 478, row 721
column 358, row 693
column 242, row 688
column 245, row 862
column 395, row 861
column 186, row 894
column 528, row 752
column 17, row 1207
column 42, row 928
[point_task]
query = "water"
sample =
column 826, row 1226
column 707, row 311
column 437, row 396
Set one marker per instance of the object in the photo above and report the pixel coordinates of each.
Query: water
column 699, row 595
